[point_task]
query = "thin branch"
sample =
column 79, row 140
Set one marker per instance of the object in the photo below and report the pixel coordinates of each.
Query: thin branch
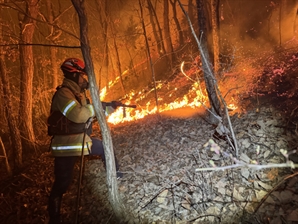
column 253, row 166
column 41, row 21
column 273, row 189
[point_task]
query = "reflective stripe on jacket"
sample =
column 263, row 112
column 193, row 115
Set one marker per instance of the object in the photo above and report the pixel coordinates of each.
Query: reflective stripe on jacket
column 66, row 101
column 70, row 149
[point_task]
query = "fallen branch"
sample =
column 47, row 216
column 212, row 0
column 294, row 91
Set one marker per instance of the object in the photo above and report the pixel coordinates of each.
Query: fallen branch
column 203, row 216
column 239, row 164
column 273, row 189
column 253, row 166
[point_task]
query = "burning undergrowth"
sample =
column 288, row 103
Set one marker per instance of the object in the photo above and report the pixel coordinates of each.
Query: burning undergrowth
column 279, row 80
column 180, row 90
column 273, row 77
column 159, row 155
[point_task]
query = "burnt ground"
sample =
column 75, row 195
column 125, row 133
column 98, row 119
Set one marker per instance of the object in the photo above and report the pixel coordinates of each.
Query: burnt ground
column 159, row 156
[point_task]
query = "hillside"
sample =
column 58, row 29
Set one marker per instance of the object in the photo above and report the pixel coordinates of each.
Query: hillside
column 160, row 154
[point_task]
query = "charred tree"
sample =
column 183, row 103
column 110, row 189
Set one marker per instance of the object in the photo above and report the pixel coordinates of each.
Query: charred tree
column 27, row 27
column 114, row 196
column 207, row 66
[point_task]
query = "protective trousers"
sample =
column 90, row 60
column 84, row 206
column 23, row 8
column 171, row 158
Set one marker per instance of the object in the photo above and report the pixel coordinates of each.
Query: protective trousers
column 63, row 170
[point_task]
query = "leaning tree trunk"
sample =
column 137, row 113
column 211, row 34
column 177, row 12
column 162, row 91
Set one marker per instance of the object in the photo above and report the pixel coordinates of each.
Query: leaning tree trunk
column 114, row 196
column 27, row 27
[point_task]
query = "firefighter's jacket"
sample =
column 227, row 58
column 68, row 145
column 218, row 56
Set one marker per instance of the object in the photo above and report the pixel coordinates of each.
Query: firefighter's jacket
column 72, row 104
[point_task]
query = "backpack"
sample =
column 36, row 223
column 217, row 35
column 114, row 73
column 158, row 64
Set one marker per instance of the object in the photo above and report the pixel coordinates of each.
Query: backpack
column 58, row 124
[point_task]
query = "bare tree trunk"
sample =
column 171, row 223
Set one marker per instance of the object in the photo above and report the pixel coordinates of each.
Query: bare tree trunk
column 280, row 21
column 177, row 23
column 114, row 196
column 148, row 53
column 209, row 78
column 191, row 13
column 118, row 58
column 190, row 10
column 52, row 37
column 215, row 39
column 294, row 14
column 208, row 73
column 104, row 71
column 167, row 32
column 156, row 29
column 12, row 124
column 215, row 118
column 11, row 116
column 27, row 27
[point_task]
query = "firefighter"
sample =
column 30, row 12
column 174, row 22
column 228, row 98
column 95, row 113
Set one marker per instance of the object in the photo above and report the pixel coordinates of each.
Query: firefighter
column 70, row 110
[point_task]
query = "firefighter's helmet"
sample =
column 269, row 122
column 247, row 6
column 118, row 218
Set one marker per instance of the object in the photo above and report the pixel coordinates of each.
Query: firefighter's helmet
column 72, row 65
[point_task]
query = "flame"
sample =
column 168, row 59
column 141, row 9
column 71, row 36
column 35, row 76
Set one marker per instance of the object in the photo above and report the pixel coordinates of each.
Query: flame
column 232, row 106
column 194, row 98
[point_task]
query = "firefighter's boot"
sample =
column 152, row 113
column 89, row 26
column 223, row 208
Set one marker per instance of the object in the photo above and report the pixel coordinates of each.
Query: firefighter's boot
column 54, row 210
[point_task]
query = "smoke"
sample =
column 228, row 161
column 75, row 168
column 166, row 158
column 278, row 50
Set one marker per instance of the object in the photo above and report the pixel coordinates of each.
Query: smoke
column 254, row 26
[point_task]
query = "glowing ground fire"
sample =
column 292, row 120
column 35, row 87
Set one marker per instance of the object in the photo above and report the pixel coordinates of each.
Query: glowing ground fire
column 195, row 98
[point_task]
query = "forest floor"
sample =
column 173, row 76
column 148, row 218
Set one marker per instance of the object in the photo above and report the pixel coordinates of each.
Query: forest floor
column 161, row 156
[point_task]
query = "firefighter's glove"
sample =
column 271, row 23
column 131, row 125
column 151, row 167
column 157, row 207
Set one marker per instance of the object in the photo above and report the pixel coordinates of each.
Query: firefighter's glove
column 115, row 104
column 91, row 109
